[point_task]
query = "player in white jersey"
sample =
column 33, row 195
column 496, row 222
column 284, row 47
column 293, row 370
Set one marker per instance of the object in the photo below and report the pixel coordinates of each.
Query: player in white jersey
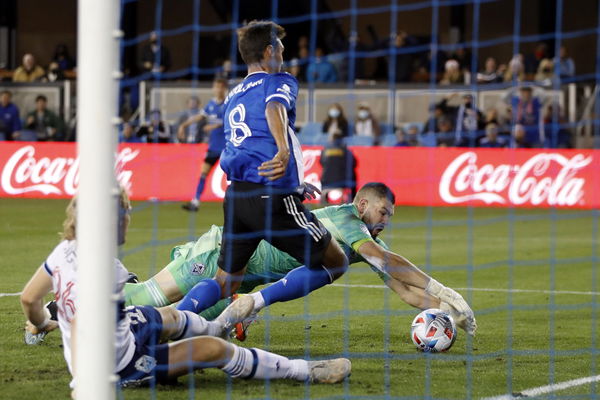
column 141, row 354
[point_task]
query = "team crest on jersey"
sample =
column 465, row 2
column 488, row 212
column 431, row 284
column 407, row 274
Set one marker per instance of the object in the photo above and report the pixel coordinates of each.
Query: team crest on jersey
column 145, row 364
column 198, row 268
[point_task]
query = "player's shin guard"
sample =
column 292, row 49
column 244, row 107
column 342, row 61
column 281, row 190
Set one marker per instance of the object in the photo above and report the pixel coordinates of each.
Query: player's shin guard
column 296, row 284
column 205, row 294
column 260, row 364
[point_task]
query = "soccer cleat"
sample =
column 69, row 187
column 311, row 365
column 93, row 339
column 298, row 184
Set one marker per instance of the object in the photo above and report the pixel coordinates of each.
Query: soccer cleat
column 329, row 371
column 190, row 207
column 235, row 313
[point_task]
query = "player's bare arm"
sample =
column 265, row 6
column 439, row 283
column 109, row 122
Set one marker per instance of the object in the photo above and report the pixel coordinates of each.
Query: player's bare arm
column 191, row 120
column 277, row 120
column 33, row 294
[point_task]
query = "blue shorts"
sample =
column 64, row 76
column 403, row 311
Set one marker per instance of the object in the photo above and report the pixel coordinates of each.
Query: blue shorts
column 150, row 360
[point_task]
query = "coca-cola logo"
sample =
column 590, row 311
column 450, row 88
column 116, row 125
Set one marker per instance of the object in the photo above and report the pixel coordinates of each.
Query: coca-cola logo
column 24, row 173
column 545, row 178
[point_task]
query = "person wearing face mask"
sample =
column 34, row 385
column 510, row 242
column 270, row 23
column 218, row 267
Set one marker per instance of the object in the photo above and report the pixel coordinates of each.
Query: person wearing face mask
column 54, row 73
column 336, row 122
column 366, row 124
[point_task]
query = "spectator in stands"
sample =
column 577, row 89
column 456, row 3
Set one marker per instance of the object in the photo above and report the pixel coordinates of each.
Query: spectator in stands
column 320, row 70
column 191, row 132
column 526, row 109
column 54, row 73
column 555, row 133
column 436, row 112
column 519, row 138
column 463, row 57
column 503, row 124
column 445, row 135
column 366, row 124
column 545, row 73
column 407, row 135
column 469, row 122
column 489, row 73
column 293, row 67
column 336, row 122
column 63, row 58
column 533, row 60
column 29, row 71
column 226, row 71
column 128, row 134
column 515, row 70
column 404, row 60
column 46, row 124
column 156, row 57
column 339, row 169
column 566, row 64
column 491, row 139
column 452, row 74
column 10, row 122
column 155, row 130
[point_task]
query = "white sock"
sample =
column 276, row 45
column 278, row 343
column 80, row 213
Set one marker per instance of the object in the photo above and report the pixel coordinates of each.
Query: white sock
column 260, row 364
column 191, row 325
column 195, row 202
column 259, row 301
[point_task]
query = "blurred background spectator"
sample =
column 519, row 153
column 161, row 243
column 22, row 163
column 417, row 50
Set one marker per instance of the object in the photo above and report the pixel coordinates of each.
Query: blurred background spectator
column 62, row 57
column 492, row 138
column 407, row 135
column 320, row 70
column 489, row 73
column 54, row 73
column 519, row 138
column 366, row 124
column 545, row 73
column 155, row 130
column 10, row 122
column 515, row 70
column 28, row 71
column 566, row 64
column 336, row 122
column 45, row 123
column 190, row 132
column 127, row 133
column 339, row 170
column 555, row 133
column 445, row 136
column 526, row 111
column 453, row 75
column 156, row 57
column 533, row 60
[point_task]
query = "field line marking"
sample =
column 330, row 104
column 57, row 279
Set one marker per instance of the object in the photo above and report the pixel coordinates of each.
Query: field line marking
column 10, row 294
column 555, row 387
column 482, row 289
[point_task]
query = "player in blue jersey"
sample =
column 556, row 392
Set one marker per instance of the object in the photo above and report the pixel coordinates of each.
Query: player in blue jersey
column 263, row 161
column 212, row 113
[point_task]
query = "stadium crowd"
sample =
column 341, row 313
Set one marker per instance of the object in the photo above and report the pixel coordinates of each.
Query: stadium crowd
column 528, row 120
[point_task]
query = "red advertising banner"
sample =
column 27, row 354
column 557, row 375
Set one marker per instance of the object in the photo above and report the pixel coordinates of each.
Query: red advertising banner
column 418, row 176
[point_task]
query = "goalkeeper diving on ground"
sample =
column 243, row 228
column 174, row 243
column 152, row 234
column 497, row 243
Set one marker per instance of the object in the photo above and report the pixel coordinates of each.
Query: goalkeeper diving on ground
column 355, row 226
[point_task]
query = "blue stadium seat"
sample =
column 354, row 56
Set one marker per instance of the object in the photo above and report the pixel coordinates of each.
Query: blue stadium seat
column 2, row 136
column 388, row 140
column 311, row 134
column 28, row 135
column 359, row 141
column 386, row 129
column 428, row 139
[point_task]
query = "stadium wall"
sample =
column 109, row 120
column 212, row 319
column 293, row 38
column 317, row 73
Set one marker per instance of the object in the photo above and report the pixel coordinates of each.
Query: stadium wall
column 419, row 176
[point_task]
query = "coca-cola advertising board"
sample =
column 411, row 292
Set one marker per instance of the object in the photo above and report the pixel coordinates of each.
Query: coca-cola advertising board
column 418, row 176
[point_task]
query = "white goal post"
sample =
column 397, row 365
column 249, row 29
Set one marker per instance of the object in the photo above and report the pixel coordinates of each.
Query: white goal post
column 97, row 89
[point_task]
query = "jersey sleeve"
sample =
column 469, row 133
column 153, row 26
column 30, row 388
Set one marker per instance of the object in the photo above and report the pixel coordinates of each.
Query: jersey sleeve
column 282, row 88
column 346, row 227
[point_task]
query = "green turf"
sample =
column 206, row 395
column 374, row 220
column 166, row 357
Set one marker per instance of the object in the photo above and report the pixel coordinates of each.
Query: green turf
column 551, row 335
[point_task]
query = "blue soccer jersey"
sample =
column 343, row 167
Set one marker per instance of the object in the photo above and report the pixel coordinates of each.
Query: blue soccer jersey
column 213, row 112
column 250, row 141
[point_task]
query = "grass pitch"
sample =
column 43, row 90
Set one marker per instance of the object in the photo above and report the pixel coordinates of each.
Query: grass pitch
column 533, row 278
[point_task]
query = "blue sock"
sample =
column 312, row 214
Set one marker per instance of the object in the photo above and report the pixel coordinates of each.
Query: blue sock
column 200, row 187
column 205, row 294
column 297, row 283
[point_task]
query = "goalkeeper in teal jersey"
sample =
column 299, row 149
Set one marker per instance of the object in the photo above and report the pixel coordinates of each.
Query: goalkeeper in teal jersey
column 355, row 226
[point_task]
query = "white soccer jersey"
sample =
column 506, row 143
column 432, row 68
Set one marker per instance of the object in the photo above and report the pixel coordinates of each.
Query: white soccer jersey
column 61, row 264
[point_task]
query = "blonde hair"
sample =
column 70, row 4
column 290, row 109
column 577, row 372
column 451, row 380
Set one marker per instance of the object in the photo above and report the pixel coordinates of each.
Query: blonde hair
column 70, row 222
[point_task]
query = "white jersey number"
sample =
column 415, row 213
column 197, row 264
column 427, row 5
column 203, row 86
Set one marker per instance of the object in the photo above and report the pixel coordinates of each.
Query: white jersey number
column 239, row 130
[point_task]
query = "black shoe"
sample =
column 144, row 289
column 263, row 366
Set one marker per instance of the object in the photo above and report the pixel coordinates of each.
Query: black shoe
column 190, row 207
column 133, row 278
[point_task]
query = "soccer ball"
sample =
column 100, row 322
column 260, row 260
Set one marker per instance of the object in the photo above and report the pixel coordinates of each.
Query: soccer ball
column 433, row 331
